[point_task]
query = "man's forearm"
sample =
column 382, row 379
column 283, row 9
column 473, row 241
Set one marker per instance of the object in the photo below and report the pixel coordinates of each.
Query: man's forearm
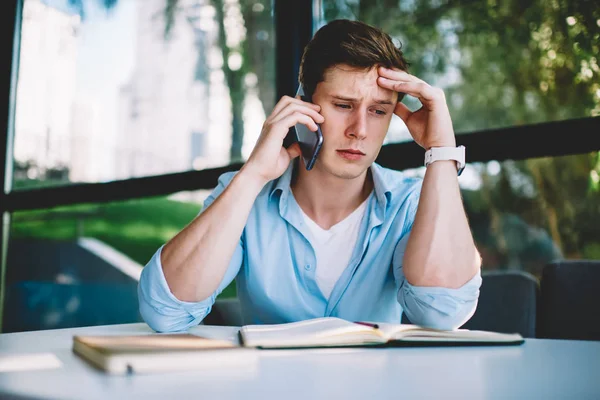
column 195, row 260
column 440, row 251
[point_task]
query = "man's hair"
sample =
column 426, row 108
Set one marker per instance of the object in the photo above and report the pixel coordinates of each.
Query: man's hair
column 347, row 42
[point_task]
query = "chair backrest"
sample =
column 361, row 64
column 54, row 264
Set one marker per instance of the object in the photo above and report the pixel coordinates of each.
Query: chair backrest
column 507, row 303
column 225, row 312
column 569, row 305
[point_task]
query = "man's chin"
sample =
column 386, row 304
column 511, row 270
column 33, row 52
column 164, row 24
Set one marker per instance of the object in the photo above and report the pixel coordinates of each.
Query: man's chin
column 346, row 170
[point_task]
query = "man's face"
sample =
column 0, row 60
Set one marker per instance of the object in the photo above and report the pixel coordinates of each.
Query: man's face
column 357, row 115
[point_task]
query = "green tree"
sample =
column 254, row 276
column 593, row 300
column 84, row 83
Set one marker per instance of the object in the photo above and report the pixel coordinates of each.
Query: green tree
column 254, row 50
column 508, row 62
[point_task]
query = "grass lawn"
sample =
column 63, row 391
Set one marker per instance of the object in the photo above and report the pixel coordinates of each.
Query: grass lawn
column 136, row 228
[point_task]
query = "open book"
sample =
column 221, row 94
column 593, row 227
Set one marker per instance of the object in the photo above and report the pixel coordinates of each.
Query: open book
column 121, row 354
column 336, row 332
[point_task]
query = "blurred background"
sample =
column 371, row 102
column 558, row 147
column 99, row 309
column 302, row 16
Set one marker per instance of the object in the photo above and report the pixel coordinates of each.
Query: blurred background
column 110, row 90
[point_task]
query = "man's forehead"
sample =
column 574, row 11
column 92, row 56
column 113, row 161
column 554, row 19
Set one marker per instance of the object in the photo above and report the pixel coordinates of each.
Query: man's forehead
column 348, row 82
column 343, row 71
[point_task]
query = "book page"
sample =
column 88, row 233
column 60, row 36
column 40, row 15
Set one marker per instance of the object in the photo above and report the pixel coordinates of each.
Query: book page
column 327, row 330
column 416, row 332
column 458, row 336
column 394, row 330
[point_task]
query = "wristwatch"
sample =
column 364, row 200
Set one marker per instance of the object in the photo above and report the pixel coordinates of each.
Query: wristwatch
column 447, row 153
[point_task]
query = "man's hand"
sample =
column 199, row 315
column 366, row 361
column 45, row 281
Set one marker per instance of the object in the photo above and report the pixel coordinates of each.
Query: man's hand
column 431, row 125
column 270, row 159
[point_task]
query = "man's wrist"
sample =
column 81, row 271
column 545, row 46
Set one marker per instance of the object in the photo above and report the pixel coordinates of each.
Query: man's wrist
column 251, row 179
column 448, row 143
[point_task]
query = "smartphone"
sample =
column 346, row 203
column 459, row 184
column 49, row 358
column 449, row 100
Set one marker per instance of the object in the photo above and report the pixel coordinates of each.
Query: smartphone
column 310, row 142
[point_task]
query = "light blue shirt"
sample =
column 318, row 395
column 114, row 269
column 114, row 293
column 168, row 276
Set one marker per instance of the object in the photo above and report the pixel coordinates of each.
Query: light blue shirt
column 274, row 267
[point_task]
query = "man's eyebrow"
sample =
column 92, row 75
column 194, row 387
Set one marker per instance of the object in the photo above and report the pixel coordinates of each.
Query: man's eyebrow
column 354, row 100
column 349, row 99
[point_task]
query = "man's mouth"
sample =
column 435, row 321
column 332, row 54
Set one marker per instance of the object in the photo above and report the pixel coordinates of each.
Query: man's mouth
column 351, row 154
column 353, row 151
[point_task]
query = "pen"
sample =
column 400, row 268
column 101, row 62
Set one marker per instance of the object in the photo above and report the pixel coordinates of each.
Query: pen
column 374, row 326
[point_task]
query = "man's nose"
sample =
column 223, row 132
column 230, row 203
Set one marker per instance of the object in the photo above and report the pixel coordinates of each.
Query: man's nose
column 358, row 126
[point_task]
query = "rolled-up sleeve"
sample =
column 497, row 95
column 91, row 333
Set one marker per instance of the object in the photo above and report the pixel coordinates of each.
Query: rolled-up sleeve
column 435, row 307
column 159, row 308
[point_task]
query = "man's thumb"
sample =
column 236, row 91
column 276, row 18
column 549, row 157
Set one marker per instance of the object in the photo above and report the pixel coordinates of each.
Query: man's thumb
column 294, row 150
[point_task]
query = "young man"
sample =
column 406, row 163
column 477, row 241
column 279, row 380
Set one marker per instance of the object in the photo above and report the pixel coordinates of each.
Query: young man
column 348, row 238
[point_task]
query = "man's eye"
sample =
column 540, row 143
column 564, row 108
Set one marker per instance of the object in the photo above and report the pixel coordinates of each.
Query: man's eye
column 380, row 112
column 345, row 106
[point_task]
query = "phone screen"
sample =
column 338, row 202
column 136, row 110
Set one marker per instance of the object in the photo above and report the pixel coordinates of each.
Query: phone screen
column 310, row 142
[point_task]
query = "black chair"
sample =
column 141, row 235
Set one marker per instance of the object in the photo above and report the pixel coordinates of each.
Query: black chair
column 225, row 312
column 507, row 303
column 569, row 306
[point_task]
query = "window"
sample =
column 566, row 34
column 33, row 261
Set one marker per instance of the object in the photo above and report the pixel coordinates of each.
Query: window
column 137, row 88
column 80, row 265
column 110, row 90
column 113, row 89
column 500, row 63
column 504, row 65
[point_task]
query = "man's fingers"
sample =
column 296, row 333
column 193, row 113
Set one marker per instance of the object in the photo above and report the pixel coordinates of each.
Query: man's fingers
column 281, row 104
column 297, row 118
column 392, row 84
column 287, row 100
column 421, row 90
column 398, row 75
column 301, row 108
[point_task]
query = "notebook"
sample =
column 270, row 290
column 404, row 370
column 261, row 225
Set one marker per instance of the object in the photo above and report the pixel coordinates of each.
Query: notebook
column 124, row 354
column 336, row 332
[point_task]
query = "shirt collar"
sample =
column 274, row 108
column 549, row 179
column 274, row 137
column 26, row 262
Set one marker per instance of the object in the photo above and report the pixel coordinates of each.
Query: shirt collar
column 284, row 182
column 383, row 191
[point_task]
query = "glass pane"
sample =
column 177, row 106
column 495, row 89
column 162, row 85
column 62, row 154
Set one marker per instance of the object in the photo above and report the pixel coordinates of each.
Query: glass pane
column 500, row 63
column 113, row 89
column 80, row 265
column 524, row 214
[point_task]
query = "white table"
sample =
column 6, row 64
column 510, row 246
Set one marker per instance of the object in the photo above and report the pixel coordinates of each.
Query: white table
column 538, row 369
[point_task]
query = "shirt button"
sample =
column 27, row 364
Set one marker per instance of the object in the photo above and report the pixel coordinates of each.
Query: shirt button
column 307, row 267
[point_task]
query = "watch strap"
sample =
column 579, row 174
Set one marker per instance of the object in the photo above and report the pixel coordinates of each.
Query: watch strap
column 446, row 153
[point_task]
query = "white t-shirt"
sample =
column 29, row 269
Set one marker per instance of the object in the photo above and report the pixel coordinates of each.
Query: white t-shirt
column 334, row 247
